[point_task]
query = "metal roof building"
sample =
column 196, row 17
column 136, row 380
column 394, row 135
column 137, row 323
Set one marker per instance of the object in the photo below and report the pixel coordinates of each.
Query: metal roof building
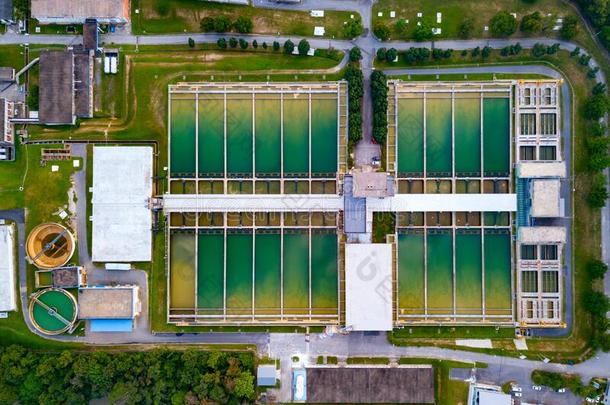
column 6, row 11
column 56, row 83
column 8, row 299
column 77, row 11
column 266, row 375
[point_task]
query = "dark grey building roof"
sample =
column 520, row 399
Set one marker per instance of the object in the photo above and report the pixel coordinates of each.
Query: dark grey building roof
column 6, row 10
column 83, row 89
column 355, row 209
column 56, row 83
column 90, row 39
column 266, row 375
column 370, row 385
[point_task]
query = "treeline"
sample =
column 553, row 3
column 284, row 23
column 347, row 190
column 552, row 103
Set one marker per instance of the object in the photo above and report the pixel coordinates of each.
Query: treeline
column 288, row 47
column 355, row 84
column 557, row 381
column 154, row 377
column 222, row 23
column 379, row 93
column 598, row 13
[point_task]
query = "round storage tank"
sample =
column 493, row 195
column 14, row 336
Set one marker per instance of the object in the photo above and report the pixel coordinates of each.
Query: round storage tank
column 50, row 245
column 53, row 311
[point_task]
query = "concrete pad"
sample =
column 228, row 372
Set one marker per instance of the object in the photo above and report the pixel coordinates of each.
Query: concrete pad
column 520, row 344
column 476, row 343
column 76, row 163
column 8, row 298
column 54, row 168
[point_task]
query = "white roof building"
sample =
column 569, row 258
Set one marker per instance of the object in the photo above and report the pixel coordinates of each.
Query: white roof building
column 368, row 286
column 8, row 298
column 122, row 188
column 546, row 198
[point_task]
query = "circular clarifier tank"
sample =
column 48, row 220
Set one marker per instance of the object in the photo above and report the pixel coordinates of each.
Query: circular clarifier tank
column 50, row 245
column 53, row 311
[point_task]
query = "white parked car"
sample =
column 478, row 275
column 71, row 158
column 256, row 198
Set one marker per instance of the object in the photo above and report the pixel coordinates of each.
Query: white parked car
column 518, row 394
column 516, row 388
column 536, row 387
column 561, row 390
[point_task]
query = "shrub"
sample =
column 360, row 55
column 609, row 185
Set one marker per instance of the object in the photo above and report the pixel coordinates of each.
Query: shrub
column 161, row 7
column 423, row 32
column 288, row 47
column 353, row 28
column 575, row 52
column 207, row 24
column 243, row 25
column 569, row 29
column 255, row 44
column 592, row 72
column 437, row 53
column 232, row 42
column 595, row 107
column 222, row 23
column 401, row 26
column 381, row 53
column 599, row 88
column 597, row 269
column 464, row 53
column 381, row 31
column 584, row 60
column 276, row 46
column 191, row 42
column 503, row 24
column 355, row 54
column 243, row 44
column 221, row 43
column 476, row 52
column 466, row 28
column 303, row 47
column 486, row 52
column 538, row 50
column 531, row 23
column 598, row 194
column 264, row 45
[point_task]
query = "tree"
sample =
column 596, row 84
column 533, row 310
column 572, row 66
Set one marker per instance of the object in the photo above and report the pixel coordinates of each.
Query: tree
column 276, row 46
column 244, row 386
column 598, row 158
column 476, row 51
column 569, row 29
column 598, row 194
column 288, row 47
column 401, row 26
column 264, row 45
column 575, row 52
column 503, row 24
column 599, row 88
column 353, row 28
column 355, row 54
column 355, row 85
column 423, row 32
column 381, row 31
column 303, row 47
column 597, row 269
column 381, row 53
column 538, row 50
column 391, row 55
column 255, row 44
column 486, row 52
column 232, row 42
column 222, row 23
column 596, row 302
column 191, row 43
column 161, row 7
column 531, row 23
column 466, row 28
column 595, row 107
column 243, row 25
column 243, row 44
column 207, row 24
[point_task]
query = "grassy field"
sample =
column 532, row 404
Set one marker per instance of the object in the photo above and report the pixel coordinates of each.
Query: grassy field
column 166, row 16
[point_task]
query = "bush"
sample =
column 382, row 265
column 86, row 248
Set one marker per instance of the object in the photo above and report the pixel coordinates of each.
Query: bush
column 598, row 193
column 276, row 46
column 381, row 53
column 221, row 43
column 476, row 52
column 161, row 7
column 243, row 44
column 437, row 53
column 592, row 72
column 243, row 25
column 232, row 42
column 597, row 269
column 264, row 45
column 486, row 52
column 551, row 50
column 538, row 50
column 381, row 31
column 191, row 42
column 353, row 28
column 255, row 44
column 222, row 23
column 355, row 54
column 401, row 26
column 595, row 107
column 423, row 32
column 464, row 53
column 531, row 23
column 207, row 24
column 503, row 24
column 391, row 55
column 575, row 52
column 288, row 47
column 569, row 29
column 466, row 28
column 303, row 47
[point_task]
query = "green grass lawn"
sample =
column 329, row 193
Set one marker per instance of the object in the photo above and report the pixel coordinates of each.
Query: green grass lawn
column 166, row 16
column 384, row 224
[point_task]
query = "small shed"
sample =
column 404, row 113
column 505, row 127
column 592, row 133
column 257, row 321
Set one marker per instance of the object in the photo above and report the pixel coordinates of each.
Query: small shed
column 266, row 375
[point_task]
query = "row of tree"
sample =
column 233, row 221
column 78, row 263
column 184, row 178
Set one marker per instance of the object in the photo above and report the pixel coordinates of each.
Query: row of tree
column 303, row 46
column 379, row 94
column 598, row 13
column 558, row 380
column 355, row 82
column 153, row 377
column 222, row 23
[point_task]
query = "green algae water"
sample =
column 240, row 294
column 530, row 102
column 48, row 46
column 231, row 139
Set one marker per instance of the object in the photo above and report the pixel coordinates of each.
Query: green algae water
column 239, row 273
column 411, row 136
column 239, row 137
column 468, row 272
column 210, row 272
column 182, row 263
column 296, row 272
column 497, row 273
column 324, row 273
column 496, row 136
column 57, row 301
column 440, row 271
column 324, row 136
column 467, row 134
column 438, row 137
column 211, row 136
column 268, row 135
column 183, row 128
column 268, row 272
column 411, row 272
column 296, row 134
